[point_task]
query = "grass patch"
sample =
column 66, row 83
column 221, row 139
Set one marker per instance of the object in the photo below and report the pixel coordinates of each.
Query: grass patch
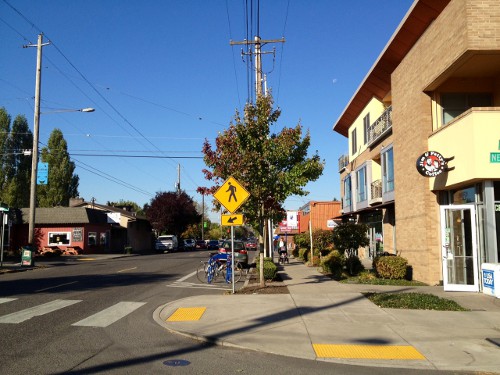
column 413, row 301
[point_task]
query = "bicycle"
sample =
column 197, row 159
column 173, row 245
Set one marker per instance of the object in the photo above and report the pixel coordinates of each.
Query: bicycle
column 218, row 264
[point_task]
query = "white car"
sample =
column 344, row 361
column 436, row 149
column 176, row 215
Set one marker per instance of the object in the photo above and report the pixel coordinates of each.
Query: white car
column 167, row 243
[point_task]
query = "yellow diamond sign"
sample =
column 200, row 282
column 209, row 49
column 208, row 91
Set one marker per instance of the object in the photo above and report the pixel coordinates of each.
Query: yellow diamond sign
column 231, row 195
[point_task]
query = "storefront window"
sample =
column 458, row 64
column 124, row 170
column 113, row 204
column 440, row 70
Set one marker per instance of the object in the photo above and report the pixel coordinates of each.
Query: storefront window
column 463, row 196
column 59, row 238
column 92, row 238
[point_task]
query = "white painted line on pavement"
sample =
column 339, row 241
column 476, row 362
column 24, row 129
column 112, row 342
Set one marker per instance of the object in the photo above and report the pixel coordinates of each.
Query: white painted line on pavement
column 127, row 269
column 53, row 287
column 110, row 315
column 5, row 300
column 186, row 277
column 21, row 316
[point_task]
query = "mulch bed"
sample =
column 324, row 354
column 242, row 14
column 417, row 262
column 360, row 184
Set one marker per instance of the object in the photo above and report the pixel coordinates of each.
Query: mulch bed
column 271, row 286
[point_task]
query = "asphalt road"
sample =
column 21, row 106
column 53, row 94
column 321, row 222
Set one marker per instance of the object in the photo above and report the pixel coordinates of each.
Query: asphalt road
column 97, row 317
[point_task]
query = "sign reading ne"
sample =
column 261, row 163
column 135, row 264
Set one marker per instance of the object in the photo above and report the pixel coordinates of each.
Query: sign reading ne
column 494, row 157
column 231, row 195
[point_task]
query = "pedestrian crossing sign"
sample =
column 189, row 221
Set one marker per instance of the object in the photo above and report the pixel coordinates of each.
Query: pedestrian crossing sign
column 231, row 195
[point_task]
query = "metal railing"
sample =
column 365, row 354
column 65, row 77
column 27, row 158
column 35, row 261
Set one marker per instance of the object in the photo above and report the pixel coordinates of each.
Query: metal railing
column 343, row 162
column 380, row 126
column 376, row 189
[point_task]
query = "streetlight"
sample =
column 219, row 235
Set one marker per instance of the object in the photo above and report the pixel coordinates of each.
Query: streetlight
column 69, row 110
column 36, row 125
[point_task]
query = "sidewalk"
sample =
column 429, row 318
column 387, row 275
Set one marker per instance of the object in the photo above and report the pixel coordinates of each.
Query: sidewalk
column 322, row 319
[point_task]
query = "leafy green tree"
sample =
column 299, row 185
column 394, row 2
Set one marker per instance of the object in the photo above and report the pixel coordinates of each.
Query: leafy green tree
column 172, row 212
column 62, row 182
column 323, row 240
column 270, row 166
column 4, row 136
column 349, row 237
column 19, row 165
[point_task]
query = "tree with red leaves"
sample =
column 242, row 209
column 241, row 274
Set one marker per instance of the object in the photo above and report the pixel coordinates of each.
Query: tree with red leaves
column 171, row 212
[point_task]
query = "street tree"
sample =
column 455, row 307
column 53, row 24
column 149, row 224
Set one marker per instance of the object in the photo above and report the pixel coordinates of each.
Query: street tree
column 172, row 212
column 18, row 164
column 15, row 165
column 125, row 204
column 349, row 237
column 271, row 166
column 62, row 183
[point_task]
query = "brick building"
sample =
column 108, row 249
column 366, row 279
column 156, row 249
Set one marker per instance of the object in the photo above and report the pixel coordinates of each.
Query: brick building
column 435, row 87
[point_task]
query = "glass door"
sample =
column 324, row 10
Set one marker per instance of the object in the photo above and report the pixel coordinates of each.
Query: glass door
column 459, row 251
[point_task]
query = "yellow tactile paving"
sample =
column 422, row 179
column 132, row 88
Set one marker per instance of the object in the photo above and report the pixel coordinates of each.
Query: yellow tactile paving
column 367, row 351
column 183, row 314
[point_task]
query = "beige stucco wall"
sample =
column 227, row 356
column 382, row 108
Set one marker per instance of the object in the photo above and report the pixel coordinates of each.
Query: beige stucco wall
column 463, row 25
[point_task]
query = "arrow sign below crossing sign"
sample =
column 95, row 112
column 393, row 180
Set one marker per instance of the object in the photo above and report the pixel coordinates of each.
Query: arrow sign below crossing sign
column 231, row 195
column 234, row 219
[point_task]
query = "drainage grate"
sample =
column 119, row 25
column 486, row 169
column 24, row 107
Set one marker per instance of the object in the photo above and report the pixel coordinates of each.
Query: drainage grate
column 176, row 362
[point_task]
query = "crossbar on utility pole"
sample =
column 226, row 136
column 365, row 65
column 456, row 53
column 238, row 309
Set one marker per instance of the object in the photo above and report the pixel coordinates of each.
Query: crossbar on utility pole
column 36, row 124
column 257, row 43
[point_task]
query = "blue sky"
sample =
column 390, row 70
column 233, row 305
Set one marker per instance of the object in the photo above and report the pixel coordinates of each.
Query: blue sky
column 162, row 77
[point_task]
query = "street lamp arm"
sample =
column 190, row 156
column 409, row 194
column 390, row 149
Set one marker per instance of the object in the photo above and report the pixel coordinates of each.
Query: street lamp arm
column 70, row 110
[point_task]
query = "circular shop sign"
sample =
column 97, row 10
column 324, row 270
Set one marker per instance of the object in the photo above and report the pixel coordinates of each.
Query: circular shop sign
column 430, row 164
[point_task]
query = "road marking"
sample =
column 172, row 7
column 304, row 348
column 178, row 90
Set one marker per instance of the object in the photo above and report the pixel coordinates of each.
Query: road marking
column 21, row 316
column 405, row 352
column 186, row 277
column 53, row 287
column 110, row 315
column 127, row 269
column 176, row 284
column 5, row 300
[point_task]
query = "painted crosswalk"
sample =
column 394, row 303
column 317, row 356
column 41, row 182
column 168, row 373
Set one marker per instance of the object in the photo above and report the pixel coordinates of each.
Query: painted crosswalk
column 23, row 315
column 102, row 319
column 110, row 315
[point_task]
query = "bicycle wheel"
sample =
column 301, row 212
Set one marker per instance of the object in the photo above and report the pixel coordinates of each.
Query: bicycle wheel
column 202, row 273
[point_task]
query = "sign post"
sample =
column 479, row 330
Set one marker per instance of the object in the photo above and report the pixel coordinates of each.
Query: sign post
column 4, row 209
column 231, row 195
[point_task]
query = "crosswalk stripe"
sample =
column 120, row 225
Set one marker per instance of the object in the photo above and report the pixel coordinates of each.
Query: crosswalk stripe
column 109, row 315
column 5, row 300
column 23, row 315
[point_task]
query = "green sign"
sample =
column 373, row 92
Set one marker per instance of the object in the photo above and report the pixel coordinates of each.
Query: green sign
column 494, row 157
column 4, row 207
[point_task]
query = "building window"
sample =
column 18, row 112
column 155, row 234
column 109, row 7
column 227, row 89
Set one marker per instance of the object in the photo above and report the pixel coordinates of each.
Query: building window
column 92, row 238
column 388, row 171
column 347, row 191
column 59, row 238
column 366, row 126
column 354, row 143
column 361, row 185
column 454, row 104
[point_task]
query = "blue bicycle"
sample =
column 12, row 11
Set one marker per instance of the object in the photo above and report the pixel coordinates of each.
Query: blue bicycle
column 218, row 265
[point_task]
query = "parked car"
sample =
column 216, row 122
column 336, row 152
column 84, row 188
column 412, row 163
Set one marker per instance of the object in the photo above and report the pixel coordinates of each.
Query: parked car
column 167, row 243
column 240, row 253
column 251, row 245
column 213, row 245
column 200, row 244
column 189, row 244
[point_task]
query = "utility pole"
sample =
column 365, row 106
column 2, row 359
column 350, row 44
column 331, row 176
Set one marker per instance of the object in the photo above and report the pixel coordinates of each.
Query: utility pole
column 257, row 43
column 36, row 125
column 178, row 184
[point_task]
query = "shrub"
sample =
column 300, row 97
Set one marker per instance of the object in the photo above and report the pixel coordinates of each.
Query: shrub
column 270, row 269
column 315, row 261
column 353, row 265
column 295, row 251
column 391, row 267
column 304, row 254
column 333, row 263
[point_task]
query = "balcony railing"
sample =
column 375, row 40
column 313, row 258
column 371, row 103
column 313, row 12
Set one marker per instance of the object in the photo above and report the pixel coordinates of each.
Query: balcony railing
column 343, row 162
column 376, row 192
column 380, row 127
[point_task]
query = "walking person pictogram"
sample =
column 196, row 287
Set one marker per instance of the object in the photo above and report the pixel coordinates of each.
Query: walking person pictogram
column 232, row 190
